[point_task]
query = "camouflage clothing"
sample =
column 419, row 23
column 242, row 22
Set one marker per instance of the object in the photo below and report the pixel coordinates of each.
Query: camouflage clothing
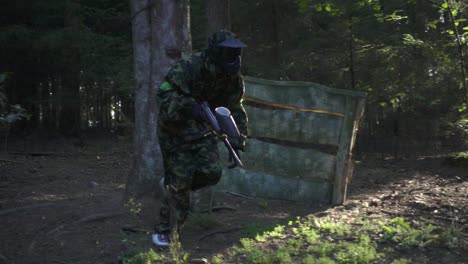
column 190, row 167
column 191, row 160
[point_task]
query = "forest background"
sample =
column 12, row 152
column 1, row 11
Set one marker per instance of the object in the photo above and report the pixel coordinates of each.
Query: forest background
column 69, row 63
column 67, row 70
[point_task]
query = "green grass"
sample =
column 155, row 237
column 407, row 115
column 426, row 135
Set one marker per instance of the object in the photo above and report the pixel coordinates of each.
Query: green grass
column 142, row 256
column 316, row 240
column 254, row 229
column 458, row 159
column 327, row 241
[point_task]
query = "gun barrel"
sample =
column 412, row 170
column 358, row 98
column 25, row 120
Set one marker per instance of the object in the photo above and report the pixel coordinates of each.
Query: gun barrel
column 235, row 156
column 210, row 117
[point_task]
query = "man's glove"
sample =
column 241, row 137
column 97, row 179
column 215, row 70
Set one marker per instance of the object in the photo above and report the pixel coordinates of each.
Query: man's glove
column 197, row 112
column 238, row 143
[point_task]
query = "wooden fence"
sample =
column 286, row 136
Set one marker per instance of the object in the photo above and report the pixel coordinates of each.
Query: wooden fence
column 301, row 136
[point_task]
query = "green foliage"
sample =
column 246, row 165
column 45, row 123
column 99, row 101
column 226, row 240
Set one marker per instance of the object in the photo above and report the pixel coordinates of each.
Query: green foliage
column 142, row 257
column 312, row 240
column 178, row 255
column 263, row 204
column 283, row 256
column 458, row 159
column 381, row 47
column 339, row 228
column 252, row 253
column 254, row 229
column 357, row 253
column 405, row 236
column 454, row 238
column 310, row 259
column 217, row 259
column 133, row 206
column 277, row 232
column 62, row 43
column 401, row 261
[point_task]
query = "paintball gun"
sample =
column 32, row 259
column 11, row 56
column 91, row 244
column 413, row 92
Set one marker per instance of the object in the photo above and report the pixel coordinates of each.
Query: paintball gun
column 224, row 127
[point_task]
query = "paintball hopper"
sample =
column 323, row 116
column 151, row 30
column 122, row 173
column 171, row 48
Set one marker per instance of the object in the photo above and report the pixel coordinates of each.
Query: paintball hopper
column 226, row 122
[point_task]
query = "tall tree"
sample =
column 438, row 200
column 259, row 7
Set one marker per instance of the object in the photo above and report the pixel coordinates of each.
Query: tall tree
column 217, row 15
column 161, row 35
column 461, row 53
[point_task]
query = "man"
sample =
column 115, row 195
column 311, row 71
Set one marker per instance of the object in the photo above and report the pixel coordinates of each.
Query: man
column 190, row 154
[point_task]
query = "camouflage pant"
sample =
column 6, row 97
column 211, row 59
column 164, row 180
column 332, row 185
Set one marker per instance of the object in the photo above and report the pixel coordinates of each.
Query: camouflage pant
column 187, row 168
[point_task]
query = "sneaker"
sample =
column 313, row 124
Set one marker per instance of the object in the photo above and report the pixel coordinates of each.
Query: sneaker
column 161, row 239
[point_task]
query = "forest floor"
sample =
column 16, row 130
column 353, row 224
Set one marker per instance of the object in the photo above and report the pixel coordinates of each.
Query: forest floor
column 54, row 206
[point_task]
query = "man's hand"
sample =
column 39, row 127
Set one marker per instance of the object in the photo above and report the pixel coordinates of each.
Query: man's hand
column 238, row 143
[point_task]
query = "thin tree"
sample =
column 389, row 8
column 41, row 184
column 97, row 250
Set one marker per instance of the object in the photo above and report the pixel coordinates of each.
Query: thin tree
column 461, row 53
column 161, row 34
column 217, row 15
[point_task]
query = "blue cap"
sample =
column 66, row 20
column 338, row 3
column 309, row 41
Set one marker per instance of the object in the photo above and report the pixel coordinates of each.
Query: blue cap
column 232, row 43
column 225, row 38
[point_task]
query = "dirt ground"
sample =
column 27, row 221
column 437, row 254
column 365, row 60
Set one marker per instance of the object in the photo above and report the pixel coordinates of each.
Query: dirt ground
column 54, row 205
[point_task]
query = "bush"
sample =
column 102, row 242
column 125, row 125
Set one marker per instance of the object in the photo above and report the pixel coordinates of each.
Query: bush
column 458, row 159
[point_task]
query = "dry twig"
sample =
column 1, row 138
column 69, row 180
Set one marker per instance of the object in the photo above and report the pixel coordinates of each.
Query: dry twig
column 9, row 211
column 219, row 208
column 12, row 161
column 222, row 231
column 239, row 195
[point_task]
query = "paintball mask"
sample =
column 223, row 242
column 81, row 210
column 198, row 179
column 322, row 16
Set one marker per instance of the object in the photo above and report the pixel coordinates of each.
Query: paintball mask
column 225, row 50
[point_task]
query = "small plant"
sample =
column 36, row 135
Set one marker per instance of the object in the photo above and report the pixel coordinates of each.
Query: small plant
column 324, row 249
column 339, row 228
column 400, row 232
column 322, row 241
column 401, row 261
column 254, row 229
column 282, row 256
column 263, row 204
column 178, row 256
column 306, row 231
column 252, row 253
column 217, row 259
column 458, row 159
column 277, row 232
column 309, row 259
column 294, row 246
column 142, row 257
column 357, row 253
column 133, row 206
column 453, row 238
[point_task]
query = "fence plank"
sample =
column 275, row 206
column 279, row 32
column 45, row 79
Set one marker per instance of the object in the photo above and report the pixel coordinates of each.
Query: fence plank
column 272, row 186
column 288, row 162
column 294, row 125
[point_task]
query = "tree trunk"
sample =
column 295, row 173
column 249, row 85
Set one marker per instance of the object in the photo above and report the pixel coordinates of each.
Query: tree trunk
column 161, row 33
column 45, row 103
column 70, row 114
column 275, row 37
column 54, row 105
column 217, row 14
column 460, row 52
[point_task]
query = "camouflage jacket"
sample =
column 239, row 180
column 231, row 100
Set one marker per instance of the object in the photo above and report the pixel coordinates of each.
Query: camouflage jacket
column 195, row 79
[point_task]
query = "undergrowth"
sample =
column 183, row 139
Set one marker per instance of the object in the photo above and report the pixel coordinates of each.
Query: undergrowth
column 458, row 159
column 326, row 241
